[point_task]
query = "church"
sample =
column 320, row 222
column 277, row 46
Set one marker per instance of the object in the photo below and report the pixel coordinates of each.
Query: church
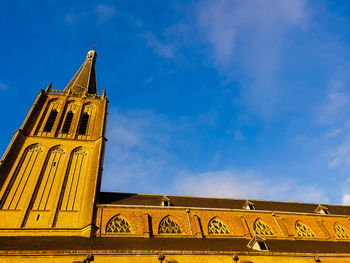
column 52, row 209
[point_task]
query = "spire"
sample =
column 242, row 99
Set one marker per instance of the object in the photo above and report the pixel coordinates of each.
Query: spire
column 84, row 81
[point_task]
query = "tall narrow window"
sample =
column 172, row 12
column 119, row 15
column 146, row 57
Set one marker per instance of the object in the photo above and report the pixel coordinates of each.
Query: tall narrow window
column 67, row 122
column 50, row 121
column 83, row 124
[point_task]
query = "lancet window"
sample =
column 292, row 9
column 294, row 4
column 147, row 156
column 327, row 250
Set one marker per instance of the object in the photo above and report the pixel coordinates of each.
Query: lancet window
column 342, row 232
column 45, row 196
column 169, row 226
column 87, row 120
column 216, row 227
column 118, row 225
column 84, row 122
column 74, row 180
column 23, row 178
column 303, row 230
column 48, row 118
column 50, row 121
column 67, row 122
column 262, row 229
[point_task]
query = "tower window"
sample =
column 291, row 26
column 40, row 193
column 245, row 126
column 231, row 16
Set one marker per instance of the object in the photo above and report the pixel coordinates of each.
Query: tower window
column 50, row 121
column 67, row 122
column 83, row 124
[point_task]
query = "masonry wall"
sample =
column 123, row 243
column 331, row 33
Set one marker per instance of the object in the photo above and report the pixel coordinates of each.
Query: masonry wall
column 145, row 222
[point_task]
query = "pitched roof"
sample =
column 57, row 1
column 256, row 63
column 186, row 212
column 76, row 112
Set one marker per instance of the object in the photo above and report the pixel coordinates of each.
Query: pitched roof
column 206, row 202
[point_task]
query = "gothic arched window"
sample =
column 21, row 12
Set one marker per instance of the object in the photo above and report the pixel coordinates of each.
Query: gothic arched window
column 118, row 225
column 74, row 180
column 342, row 232
column 23, row 178
column 217, row 227
column 50, row 121
column 84, row 122
column 67, row 122
column 303, row 230
column 262, row 229
column 169, row 226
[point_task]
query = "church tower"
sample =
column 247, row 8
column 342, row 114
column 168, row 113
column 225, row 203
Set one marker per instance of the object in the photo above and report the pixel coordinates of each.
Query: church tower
column 50, row 173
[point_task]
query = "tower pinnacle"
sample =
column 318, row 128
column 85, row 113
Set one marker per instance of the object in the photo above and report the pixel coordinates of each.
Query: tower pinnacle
column 84, row 81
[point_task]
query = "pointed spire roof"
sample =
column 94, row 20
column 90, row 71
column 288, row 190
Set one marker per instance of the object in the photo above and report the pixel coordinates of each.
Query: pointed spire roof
column 84, row 81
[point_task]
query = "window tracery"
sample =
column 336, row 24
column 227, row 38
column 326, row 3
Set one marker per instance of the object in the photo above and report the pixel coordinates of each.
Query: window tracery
column 303, row 230
column 169, row 226
column 118, row 225
column 262, row 229
column 342, row 232
column 217, row 227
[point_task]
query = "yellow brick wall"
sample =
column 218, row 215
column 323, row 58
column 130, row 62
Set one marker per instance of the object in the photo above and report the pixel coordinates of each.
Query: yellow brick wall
column 239, row 222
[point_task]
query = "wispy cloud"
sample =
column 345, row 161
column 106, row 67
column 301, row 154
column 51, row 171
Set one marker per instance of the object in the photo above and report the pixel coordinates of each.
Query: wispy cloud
column 333, row 133
column 73, row 17
column 3, row 86
column 251, row 36
column 246, row 184
column 160, row 48
column 140, row 156
column 341, row 157
column 226, row 22
column 346, row 199
column 105, row 13
column 337, row 102
column 137, row 151
column 339, row 152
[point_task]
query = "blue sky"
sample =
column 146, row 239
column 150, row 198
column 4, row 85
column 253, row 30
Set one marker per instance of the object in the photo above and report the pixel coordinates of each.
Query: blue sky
column 244, row 99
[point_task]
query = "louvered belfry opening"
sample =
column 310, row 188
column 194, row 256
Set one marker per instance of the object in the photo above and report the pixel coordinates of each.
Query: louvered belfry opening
column 50, row 121
column 67, row 122
column 83, row 124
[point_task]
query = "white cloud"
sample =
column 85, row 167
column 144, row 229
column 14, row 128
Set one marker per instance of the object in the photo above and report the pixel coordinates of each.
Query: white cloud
column 247, row 185
column 73, row 17
column 251, row 36
column 105, row 13
column 337, row 103
column 137, row 152
column 225, row 21
column 341, row 156
column 3, row 86
column 346, row 199
column 333, row 133
column 160, row 48
column 239, row 135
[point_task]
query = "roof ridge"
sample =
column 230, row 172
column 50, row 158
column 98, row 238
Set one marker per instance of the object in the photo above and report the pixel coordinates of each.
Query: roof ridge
column 227, row 198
